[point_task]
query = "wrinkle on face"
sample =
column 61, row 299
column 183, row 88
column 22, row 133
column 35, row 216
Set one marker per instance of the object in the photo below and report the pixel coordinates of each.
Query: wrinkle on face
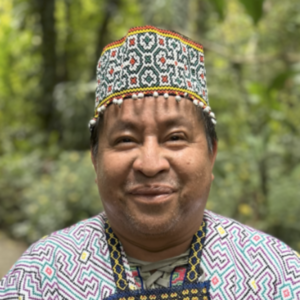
column 188, row 168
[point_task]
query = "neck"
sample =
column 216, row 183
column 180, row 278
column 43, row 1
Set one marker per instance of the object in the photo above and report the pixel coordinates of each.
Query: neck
column 155, row 248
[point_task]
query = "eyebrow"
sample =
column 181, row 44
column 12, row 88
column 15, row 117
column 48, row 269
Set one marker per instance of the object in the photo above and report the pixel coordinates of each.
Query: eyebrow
column 170, row 122
column 121, row 125
column 175, row 121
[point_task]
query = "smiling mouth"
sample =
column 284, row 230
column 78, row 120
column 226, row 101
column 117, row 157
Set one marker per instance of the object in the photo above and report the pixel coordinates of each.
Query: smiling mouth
column 152, row 193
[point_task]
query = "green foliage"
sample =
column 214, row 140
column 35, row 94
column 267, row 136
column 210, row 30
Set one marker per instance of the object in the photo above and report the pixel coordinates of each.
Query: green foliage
column 256, row 174
column 65, row 195
column 254, row 8
column 253, row 71
column 45, row 195
column 220, row 6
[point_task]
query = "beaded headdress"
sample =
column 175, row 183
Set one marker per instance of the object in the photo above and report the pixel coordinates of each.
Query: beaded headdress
column 150, row 62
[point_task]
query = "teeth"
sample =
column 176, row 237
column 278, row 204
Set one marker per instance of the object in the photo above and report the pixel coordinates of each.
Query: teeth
column 177, row 98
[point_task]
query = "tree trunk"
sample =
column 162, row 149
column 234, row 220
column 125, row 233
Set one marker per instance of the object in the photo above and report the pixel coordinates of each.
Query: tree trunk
column 111, row 6
column 46, row 10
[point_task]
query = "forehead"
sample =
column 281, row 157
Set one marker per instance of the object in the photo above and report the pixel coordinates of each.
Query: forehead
column 151, row 111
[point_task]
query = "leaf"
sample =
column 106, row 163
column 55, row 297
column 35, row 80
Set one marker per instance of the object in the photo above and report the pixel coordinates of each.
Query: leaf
column 278, row 82
column 254, row 8
column 220, row 6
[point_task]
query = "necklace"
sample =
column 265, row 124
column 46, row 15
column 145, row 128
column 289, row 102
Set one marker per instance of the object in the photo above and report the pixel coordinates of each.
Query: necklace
column 191, row 289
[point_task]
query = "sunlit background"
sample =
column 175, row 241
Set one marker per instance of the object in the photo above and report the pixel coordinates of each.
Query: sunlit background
column 48, row 54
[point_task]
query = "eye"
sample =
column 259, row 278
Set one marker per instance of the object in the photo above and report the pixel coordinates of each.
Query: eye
column 177, row 137
column 124, row 140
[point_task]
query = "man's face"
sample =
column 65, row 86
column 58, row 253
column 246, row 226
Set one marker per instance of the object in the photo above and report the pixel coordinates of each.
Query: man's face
column 153, row 166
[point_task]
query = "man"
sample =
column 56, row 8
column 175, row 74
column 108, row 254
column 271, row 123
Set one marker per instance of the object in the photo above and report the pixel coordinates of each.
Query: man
column 153, row 147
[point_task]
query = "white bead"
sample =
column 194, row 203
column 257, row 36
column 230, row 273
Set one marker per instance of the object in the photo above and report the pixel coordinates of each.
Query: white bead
column 99, row 109
column 155, row 94
column 212, row 115
column 166, row 95
column 115, row 101
column 120, row 101
column 103, row 108
column 185, row 94
column 207, row 109
column 195, row 102
column 92, row 122
column 201, row 104
column 178, row 98
column 134, row 96
column 214, row 121
column 141, row 95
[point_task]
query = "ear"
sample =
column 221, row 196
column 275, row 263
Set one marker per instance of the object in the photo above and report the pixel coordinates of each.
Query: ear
column 94, row 160
column 213, row 156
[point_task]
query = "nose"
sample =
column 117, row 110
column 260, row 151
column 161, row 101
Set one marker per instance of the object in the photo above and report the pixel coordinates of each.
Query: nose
column 151, row 160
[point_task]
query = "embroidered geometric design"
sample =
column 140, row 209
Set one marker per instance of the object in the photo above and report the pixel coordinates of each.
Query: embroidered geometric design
column 247, row 264
column 48, row 271
column 150, row 60
column 53, row 267
column 222, row 231
column 286, row 293
column 215, row 281
column 253, row 285
column 178, row 276
column 84, row 256
column 229, row 263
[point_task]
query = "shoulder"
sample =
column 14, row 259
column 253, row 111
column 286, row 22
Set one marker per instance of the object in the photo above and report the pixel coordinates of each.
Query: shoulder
column 58, row 258
column 264, row 263
column 74, row 239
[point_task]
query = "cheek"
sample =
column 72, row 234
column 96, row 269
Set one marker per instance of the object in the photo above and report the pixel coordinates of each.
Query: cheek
column 112, row 171
column 194, row 173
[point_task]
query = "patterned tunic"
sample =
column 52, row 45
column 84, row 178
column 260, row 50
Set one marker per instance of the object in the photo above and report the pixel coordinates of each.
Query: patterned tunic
column 74, row 263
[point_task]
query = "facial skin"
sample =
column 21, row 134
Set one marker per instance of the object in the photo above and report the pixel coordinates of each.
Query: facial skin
column 154, row 172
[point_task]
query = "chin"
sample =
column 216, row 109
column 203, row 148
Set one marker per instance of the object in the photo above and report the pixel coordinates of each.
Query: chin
column 152, row 225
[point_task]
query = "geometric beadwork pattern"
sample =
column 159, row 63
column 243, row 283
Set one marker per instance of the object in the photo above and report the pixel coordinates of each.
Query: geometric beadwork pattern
column 194, row 291
column 193, row 270
column 150, row 59
column 74, row 263
column 116, row 259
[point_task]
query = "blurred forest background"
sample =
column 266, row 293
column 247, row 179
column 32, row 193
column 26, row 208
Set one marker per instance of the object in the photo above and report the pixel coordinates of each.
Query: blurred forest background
column 48, row 55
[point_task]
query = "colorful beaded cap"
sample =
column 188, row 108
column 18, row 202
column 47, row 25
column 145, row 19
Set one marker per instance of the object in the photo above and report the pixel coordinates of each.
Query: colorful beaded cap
column 150, row 62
